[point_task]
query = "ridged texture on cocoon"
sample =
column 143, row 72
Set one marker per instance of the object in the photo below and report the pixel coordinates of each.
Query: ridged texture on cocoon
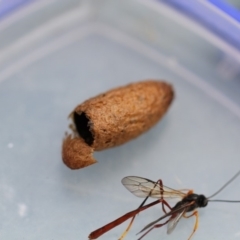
column 117, row 116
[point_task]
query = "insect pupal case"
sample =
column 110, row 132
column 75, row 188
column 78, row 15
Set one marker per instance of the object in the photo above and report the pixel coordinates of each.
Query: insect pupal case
column 117, row 116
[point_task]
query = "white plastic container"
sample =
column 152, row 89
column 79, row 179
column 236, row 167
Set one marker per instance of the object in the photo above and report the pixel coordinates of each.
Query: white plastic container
column 56, row 54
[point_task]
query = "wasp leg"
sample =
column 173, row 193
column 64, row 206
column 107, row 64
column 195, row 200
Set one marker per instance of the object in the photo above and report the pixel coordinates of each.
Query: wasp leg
column 160, row 200
column 127, row 229
column 195, row 213
column 131, row 222
column 163, row 201
column 155, row 226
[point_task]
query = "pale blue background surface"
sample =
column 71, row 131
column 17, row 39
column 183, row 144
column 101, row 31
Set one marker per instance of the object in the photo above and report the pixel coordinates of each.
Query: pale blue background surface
column 196, row 145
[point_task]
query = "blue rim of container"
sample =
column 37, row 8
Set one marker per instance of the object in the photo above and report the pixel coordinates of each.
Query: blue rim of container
column 9, row 6
column 227, row 8
column 218, row 16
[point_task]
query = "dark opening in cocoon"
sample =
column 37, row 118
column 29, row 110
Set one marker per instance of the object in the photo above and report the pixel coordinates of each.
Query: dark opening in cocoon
column 83, row 123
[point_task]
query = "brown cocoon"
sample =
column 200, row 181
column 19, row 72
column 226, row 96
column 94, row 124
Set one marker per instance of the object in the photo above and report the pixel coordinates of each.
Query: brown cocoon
column 76, row 153
column 117, row 116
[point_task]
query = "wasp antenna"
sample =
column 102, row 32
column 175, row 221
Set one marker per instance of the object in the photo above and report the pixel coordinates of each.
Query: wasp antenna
column 229, row 201
column 225, row 185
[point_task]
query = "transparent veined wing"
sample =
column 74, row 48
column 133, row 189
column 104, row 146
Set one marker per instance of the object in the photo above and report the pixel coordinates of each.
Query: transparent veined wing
column 175, row 215
column 174, row 221
column 143, row 187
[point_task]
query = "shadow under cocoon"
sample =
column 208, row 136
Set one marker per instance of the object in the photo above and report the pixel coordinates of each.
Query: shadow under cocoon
column 83, row 123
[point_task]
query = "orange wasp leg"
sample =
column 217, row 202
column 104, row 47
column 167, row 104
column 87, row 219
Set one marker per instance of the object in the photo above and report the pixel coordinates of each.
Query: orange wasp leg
column 127, row 229
column 97, row 233
column 161, row 200
column 129, row 226
column 195, row 213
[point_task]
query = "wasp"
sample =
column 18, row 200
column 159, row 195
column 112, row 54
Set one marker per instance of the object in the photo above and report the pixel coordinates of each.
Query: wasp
column 187, row 204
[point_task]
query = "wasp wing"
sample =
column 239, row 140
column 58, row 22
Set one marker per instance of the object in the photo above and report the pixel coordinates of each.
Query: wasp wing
column 174, row 221
column 175, row 215
column 143, row 187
